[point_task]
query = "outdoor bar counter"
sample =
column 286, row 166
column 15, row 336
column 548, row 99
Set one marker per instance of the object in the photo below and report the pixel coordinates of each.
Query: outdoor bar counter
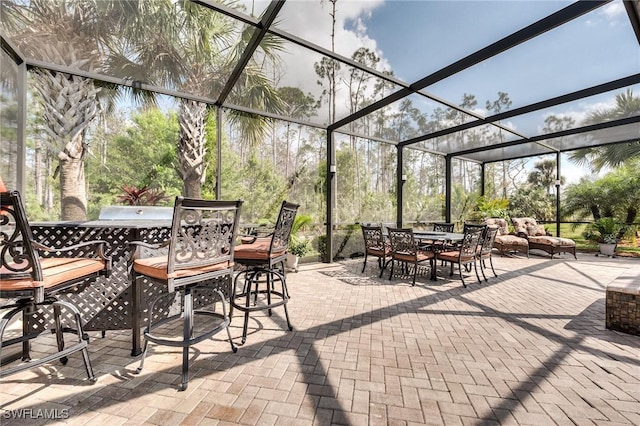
column 112, row 303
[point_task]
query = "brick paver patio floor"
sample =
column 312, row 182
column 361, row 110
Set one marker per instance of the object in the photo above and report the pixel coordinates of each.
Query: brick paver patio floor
column 529, row 347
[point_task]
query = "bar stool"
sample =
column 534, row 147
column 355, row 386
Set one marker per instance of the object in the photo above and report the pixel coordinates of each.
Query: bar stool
column 33, row 283
column 263, row 259
column 199, row 260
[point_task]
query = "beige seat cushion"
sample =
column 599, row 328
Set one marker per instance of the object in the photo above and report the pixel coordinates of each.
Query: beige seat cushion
column 156, row 267
column 55, row 271
column 420, row 256
column 552, row 241
column 502, row 224
column 512, row 240
column 258, row 250
column 453, row 256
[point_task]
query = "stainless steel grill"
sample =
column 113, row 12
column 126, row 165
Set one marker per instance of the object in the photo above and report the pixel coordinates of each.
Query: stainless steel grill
column 136, row 213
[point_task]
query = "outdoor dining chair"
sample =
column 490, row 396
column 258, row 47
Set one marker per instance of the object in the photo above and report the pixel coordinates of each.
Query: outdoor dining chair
column 194, row 269
column 465, row 254
column 263, row 259
column 31, row 283
column 486, row 248
column 441, row 245
column 443, row 227
column 405, row 251
column 375, row 245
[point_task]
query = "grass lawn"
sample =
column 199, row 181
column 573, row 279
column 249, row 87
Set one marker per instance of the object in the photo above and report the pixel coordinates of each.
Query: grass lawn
column 625, row 247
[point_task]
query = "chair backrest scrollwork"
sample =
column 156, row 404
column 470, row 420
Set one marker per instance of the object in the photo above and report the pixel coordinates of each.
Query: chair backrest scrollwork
column 284, row 224
column 443, row 227
column 373, row 237
column 469, row 244
column 489, row 239
column 402, row 241
column 203, row 233
column 18, row 257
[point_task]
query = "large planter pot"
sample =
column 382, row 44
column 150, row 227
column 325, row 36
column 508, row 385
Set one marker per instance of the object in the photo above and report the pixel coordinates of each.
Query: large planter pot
column 291, row 261
column 607, row 249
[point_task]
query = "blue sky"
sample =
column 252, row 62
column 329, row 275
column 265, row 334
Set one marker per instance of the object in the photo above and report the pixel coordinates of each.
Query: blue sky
column 416, row 38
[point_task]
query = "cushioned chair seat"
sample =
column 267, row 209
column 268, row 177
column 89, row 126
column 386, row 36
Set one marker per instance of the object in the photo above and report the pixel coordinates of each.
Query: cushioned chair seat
column 379, row 251
column 452, row 256
column 258, row 250
column 420, row 256
column 507, row 243
column 55, row 271
column 156, row 267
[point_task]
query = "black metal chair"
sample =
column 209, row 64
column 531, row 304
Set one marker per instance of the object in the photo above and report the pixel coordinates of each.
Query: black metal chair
column 199, row 262
column 405, row 251
column 486, row 248
column 263, row 260
column 465, row 253
column 32, row 283
column 443, row 227
column 440, row 245
column 375, row 245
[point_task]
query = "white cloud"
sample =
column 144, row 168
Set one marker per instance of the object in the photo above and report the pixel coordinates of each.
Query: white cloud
column 613, row 11
column 312, row 21
column 583, row 110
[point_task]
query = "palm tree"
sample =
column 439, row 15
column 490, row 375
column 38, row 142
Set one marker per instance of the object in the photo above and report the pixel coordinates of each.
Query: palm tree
column 583, row 199
column 185, row 46
column 70, row 33
column 627, row 105
column 544, row 175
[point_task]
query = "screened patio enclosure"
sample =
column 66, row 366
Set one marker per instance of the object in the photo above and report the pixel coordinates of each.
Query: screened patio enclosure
column 474, row 81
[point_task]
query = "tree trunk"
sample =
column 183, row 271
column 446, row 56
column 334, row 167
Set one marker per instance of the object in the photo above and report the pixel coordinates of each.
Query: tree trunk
column 69, row 107
column 192, row 147
column 73, row 194
column 38, row 164
column 48, row 192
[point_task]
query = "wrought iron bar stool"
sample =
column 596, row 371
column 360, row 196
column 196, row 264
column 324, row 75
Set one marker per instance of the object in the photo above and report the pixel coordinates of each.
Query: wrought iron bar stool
column 33, row 282
column 263, row 259
column 197, row 270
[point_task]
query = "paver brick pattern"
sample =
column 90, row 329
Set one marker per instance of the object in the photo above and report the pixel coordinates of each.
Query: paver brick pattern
column 527, row 348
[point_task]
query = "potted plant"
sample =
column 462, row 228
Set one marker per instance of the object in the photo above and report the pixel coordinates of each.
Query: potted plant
column 607, row 233
column 298, row 245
